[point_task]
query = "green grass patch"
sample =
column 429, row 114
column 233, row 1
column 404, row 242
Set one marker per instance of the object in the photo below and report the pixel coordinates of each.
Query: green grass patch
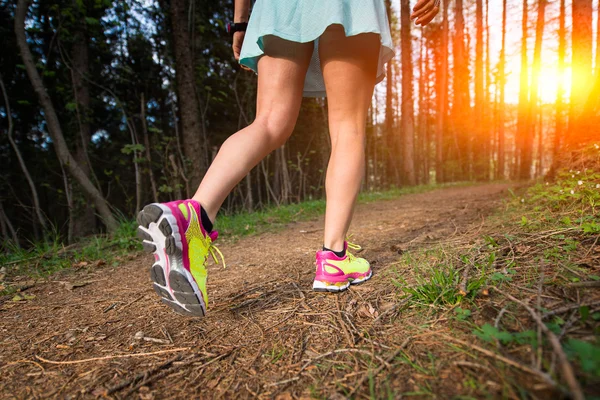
column 540, row 247
column 43, row 259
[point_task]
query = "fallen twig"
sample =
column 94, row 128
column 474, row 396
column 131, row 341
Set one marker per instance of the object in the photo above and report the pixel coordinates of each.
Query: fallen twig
column 380, row 368
column 565, row 366
column 112, row 357
column 570, row 307
column 141, row 375
column 167, row 371
column 133, row 301
column 392, row 309
column 545, row 377
column 585, row 284
column 338, row 351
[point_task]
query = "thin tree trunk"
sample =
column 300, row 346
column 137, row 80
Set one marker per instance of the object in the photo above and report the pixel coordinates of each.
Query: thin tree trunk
column 461, row 105
column 534, row 106
column 184, row 174
column 54, row 129
column 34, row 193
column 487, row 112
column 560, row 92
column 479, row 157
column 540, row 144
column 186, row 92
column 70, row 206
column 391, row 168
column 407, row 94
column 581, row 68
column 420, row 128
column 442, row 96
column 8, row 231
column 425, row 128
column 598, row 39
column 285, row 186
column 502, row 108
column 147, row 148
column 84, row 218
column 523, row 124
column 249, row 200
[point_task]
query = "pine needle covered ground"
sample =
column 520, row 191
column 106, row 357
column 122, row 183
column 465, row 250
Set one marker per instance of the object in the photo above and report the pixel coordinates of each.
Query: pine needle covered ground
column 479, row 292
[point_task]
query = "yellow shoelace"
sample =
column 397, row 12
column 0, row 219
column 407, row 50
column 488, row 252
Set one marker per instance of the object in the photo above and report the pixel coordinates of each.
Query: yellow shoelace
column 211, row 249
column 352, row 246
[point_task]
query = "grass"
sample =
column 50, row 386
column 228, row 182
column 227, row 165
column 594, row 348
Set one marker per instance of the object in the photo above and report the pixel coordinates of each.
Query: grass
column 544, row 240
column 43, row 259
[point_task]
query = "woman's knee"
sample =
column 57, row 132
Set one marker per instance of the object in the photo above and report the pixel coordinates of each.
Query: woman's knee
column 277, row 127
column 349, row 132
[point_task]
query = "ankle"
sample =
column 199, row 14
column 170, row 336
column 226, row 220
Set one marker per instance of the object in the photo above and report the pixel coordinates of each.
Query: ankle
column 337, row 245
column 340, row 254
column 207, row 223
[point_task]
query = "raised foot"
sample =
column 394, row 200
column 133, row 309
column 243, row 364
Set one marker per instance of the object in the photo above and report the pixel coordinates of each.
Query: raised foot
column 159, row 233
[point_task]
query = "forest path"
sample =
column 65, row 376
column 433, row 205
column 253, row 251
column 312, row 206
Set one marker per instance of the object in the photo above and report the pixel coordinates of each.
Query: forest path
column 264, row 322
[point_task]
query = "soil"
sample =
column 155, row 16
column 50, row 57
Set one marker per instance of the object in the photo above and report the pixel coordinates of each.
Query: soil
column 101, row 331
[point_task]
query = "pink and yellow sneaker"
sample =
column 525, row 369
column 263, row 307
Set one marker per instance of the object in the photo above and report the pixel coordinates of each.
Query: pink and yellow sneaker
column 336, row 274
column 174, row 233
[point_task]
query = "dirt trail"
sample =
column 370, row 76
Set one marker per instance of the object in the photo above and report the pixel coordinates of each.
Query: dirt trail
column 265, row 332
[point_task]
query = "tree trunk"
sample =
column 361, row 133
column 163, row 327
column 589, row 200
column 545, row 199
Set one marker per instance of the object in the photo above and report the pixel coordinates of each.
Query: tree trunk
column 407, row 95
column 522, row 167
column 488, row 109
column 502, row 84
column 581, row 67
column 147, row 148
column 598, row 40
column 461, row 105
column 84, row 218
column 560, row 92
column 391, row 168
column 8, row 231
column 54, row 128
column 534, row 106
column 186, row 93
column 479, row 155
column 442, row 96
column 34, row 193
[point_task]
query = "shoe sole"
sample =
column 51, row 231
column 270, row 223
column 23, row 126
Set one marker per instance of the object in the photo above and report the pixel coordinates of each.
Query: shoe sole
column 171, row 280
column 319, row 286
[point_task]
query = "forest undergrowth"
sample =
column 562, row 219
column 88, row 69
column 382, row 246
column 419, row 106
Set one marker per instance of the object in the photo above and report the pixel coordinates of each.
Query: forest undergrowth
column 520, row 301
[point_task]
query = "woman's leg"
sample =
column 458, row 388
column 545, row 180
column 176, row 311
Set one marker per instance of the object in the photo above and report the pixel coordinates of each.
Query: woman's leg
column 349, row 67
column 281, row 75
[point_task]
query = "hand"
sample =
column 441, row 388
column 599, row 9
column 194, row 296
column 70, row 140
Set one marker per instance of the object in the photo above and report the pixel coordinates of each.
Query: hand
column 425, row 11
column 238, row 40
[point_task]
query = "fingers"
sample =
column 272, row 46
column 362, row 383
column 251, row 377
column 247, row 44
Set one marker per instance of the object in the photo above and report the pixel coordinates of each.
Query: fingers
column 424, row 11
column 428, row 17
column 420, row 4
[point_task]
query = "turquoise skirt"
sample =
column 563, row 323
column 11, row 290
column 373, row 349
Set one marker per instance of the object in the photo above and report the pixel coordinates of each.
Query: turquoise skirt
column 305, row 21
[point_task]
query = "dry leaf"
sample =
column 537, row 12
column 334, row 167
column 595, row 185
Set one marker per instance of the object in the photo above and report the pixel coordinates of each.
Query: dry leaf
column 81, row 264
column 371, row 309
column 364, row 311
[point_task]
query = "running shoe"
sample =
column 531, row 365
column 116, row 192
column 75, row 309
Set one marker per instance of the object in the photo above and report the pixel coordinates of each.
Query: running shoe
column 174, row 233
column 336, row 274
